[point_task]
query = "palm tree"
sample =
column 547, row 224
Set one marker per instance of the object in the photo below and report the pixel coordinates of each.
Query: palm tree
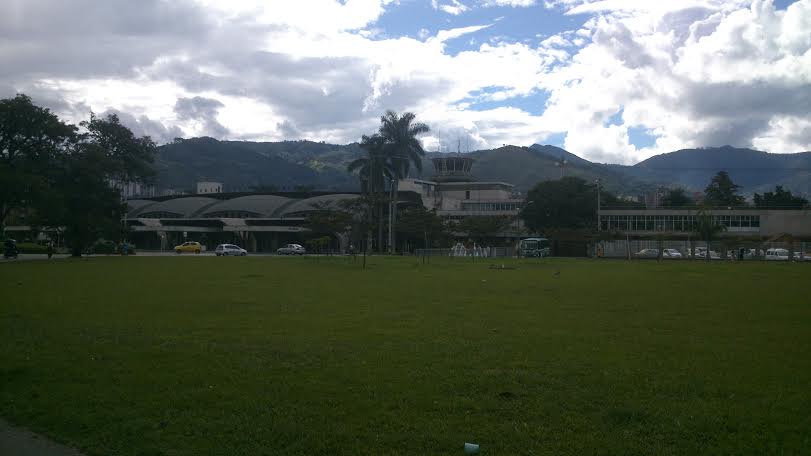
column 707, row 229
column 374, row 170
column 403, row 149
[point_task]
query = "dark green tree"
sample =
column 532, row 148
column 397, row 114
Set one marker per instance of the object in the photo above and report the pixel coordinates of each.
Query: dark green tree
column 421, row 226
column 780, row 199
column 85, row 206
column 566, row 204
column 126, row 158
column 481, row 227
column 403, row 148
column 676, row 197
column 328, row 220
column 32, row 143
column 723, row 192
column 83, row 200
column 374, row 171
column 707, row 228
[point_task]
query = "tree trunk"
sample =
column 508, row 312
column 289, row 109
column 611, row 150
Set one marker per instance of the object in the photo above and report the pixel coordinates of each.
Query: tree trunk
column 393, row 248
column 708, row 251
column 379, row 227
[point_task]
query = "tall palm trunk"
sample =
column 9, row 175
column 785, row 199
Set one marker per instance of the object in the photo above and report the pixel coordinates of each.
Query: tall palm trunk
column 379, row 226
column 395, row 190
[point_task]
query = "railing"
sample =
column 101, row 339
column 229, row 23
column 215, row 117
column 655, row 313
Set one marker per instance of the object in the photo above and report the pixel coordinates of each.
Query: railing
column 719, row 249
column 471, row 253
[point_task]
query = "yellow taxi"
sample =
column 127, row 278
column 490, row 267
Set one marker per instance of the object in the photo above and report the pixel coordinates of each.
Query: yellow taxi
column 189, row 247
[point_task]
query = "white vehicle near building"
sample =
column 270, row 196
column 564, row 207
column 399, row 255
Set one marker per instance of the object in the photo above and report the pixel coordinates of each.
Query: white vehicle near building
column 777, row 255
column 292, row 249
column 671, row 253
column 230, row 250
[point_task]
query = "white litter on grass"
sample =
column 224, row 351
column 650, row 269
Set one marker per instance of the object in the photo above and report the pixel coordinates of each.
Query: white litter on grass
column 471, row 448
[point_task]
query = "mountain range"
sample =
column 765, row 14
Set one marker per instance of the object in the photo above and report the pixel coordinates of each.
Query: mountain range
column 244, row 165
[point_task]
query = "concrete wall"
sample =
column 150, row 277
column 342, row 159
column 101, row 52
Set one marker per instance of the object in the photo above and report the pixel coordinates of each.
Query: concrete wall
column 796, row 223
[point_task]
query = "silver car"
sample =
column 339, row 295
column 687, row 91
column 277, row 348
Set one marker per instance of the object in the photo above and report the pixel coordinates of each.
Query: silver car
column 647, row 253
column 291, row 249
column 230, row 250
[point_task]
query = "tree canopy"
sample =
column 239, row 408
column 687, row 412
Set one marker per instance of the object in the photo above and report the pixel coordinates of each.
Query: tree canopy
column 780, row 199
column 65, row 177
column 723, row 192
column 400, row 135
column 481, row 227
column 32, row 142
column 568, row 203
column 676, row 197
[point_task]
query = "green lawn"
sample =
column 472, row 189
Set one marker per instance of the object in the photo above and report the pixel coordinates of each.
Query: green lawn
column 254, row 356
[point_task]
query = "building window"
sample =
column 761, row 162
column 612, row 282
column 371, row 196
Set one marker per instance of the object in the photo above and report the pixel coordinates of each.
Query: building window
column 467, row 194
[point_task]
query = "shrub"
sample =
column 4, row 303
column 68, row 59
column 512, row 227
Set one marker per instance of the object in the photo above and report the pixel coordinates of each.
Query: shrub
column 30, row 247
column 103, row 247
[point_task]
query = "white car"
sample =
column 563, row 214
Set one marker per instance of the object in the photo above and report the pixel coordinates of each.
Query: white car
column 647, row 253
column 701, row 252
column 671, row 253
column 291, row 249
column 230, row 250
column 777, row 255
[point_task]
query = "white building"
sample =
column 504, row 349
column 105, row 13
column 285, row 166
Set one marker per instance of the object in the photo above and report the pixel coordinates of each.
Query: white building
column 130, row 190
column 204, row 188
column 456, row 194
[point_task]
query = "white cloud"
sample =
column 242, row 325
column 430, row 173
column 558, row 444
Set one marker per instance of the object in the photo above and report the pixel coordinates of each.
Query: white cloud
column 691, row 73
column 455, row 7
column 513, row 3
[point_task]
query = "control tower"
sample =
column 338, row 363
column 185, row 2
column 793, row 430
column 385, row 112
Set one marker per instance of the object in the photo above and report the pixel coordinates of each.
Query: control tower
column 452, row 168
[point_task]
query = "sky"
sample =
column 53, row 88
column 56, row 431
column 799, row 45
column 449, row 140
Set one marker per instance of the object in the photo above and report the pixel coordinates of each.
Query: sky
column 613, row 81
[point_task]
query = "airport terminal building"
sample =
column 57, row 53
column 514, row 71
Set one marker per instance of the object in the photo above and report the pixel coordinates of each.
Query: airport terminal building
column 744, row 223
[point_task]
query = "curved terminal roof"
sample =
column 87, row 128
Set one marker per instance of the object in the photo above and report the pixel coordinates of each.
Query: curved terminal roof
column 184, row 207
column 316, row 202
column 262, row 205
column 136, row 206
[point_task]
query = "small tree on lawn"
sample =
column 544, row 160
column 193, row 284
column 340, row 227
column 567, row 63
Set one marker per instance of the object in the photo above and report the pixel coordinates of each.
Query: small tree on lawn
column 707, row 228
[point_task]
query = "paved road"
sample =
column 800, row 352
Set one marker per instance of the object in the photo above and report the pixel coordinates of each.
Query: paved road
column 16, row 441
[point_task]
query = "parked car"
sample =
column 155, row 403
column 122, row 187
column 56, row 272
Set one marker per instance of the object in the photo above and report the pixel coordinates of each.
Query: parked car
column 291, row 249
column 189, row 247
column 701, row 252
column 671, row 253
column 647, row 253
column 230, row 250
column 777, row 255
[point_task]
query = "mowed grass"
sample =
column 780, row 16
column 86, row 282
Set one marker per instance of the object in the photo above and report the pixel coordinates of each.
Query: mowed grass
column 265, row 356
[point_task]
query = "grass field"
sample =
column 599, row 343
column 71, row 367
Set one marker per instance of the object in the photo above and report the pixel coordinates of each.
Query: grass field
column 254, row 356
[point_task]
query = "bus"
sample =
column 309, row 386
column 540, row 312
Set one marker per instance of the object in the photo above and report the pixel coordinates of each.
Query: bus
column 535, row 247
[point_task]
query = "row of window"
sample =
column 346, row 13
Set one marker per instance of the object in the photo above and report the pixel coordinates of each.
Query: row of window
column 684, row 223
column 233, row 214
column 488, row 207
